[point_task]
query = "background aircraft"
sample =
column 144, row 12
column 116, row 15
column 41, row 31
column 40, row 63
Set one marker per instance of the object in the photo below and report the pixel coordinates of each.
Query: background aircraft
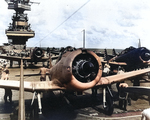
column 131, row 58
column 128, row 60
column 33, row 56
column 106, row 56
column 78, row 70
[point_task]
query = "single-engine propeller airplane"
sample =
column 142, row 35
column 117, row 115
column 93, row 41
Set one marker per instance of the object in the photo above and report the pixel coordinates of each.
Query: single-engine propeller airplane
column 130, row 59
column 33, row 56
column 77, row 70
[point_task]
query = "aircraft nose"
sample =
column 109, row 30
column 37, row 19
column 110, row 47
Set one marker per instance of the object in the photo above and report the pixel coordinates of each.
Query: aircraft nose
column 85, row 67
column 38, row 52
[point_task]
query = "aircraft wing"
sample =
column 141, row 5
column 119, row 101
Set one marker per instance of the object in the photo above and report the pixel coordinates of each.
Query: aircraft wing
column 10, row 57
column 121, row 77
column 138, row 89
column 116, row 63
column 54, row 57
column 120, row 63
column 43, row 59
column 15, row 58
column 30, row 86
column 36, row 74
column 52, row 85
column 55, row 52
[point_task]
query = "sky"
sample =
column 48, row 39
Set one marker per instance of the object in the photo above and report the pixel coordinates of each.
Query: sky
column 107, row 23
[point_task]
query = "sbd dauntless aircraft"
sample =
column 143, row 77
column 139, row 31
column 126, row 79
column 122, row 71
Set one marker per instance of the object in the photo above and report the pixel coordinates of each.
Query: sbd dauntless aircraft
column 130, row 59
column 78, row 70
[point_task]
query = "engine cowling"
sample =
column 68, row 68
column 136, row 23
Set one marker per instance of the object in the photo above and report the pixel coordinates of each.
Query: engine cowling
column 37, row 54
column 133, row 56
column 77, row 70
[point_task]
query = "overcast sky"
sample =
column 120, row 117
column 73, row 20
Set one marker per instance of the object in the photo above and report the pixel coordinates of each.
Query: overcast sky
column 108, row 23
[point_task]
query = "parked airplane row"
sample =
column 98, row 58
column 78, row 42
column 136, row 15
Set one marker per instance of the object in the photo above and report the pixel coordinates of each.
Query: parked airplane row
column 81, row 69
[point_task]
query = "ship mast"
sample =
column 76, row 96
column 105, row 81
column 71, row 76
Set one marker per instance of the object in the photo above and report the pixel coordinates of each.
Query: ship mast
column 19, row 30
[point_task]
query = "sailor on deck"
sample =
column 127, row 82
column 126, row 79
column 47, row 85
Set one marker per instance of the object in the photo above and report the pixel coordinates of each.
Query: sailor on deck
column 8, row 92
column 43, row 71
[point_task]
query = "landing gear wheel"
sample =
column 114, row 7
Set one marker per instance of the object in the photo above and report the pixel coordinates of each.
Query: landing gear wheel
column 123, row 104
column 31, row 113
column 134, row 97
column 109, row 108
column 34, row 111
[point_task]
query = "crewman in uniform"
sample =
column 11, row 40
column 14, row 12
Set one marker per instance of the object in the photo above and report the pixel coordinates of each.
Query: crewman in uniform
column 0, row 71
column 48, row 51
column 43, row 72
column 5, row 72
column 8, row 92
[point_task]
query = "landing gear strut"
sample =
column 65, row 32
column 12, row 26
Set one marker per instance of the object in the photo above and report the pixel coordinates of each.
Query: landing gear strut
column 36, row 109
column 39, row 101
column 108, row 101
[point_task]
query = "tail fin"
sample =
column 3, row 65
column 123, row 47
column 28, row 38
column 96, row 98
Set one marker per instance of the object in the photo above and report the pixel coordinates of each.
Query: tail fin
column 105, row 55
column 114, row 52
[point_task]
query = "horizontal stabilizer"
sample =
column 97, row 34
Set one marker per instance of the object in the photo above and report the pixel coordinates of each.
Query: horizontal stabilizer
column 138, row 89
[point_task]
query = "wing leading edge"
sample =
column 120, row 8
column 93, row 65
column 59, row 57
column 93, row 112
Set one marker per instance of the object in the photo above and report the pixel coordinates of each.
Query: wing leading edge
column 53, row 85
column 30, row 86
column 121, row 77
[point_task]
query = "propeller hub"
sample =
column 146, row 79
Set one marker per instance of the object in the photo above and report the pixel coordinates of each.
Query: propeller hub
column 86, row 68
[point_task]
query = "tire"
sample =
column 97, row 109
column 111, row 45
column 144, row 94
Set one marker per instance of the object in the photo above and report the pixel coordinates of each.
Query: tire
column 34, row 111
column 109, row 105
